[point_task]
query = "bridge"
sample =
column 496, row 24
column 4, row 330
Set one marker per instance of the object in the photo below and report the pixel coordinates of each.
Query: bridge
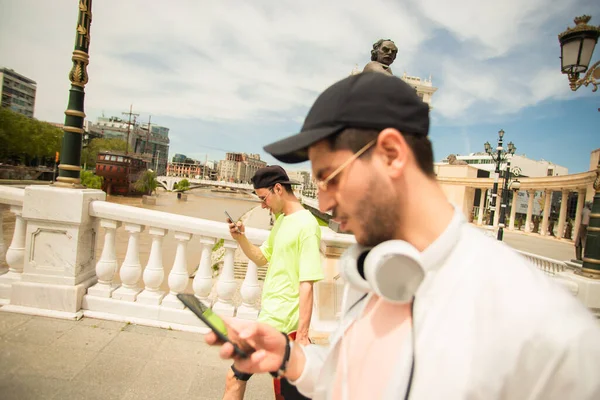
column 168, row 182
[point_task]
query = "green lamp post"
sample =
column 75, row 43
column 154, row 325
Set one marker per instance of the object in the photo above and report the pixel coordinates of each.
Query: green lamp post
column 70, row 157
column 576, row 47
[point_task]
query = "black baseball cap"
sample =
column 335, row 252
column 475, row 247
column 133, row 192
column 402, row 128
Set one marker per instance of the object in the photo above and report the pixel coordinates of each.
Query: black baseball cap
column 369, row 100
column 267, row 177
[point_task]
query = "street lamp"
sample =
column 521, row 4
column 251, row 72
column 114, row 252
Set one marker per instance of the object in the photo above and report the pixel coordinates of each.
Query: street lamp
column 498, row 156
column 576, row 47
column 509, row 185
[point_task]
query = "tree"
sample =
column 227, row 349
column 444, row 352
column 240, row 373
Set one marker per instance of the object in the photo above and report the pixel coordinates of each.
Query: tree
column 26, row 140
column 90, row 180
column 90, row 153
column 183, row 185
column 147, row 183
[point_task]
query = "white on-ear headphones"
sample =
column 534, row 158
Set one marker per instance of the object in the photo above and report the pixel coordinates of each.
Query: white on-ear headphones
column 391, row 269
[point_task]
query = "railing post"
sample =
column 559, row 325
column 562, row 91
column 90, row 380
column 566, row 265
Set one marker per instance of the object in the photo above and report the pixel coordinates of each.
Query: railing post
column 107, row 266
column 203, row 280
column 131, row 269
column 15, row 255
column 250, row 292
column 226, row 285
column 179, row 277
column 154, row 274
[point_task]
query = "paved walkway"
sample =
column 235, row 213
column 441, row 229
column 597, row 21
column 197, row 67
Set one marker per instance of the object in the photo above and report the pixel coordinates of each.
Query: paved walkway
column 45, row 358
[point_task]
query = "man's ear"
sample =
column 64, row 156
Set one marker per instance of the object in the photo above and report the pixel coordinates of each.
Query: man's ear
column 395, row 150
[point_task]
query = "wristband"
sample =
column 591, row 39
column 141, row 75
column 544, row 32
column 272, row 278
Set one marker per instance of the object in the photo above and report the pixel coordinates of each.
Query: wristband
column 286, row 357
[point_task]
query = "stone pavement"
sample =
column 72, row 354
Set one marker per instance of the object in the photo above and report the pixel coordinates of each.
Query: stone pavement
column 46, row 358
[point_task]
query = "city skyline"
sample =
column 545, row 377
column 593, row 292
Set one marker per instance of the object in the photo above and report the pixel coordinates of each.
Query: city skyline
column 214, row 80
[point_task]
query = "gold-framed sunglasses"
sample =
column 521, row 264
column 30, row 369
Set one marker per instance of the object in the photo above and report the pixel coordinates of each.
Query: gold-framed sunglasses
column 323, row 184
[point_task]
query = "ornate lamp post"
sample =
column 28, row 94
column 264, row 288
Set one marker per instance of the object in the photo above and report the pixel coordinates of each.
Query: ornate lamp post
column 70, row 155
column 499, row 155
column 509, row 185
column 576, row 47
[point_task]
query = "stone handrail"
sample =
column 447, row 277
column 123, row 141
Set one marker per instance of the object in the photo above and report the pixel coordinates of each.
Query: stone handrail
column 548, row 265
column 139, row 296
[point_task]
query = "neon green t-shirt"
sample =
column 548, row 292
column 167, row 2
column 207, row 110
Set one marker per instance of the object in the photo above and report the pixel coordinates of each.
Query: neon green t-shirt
column 292, row 250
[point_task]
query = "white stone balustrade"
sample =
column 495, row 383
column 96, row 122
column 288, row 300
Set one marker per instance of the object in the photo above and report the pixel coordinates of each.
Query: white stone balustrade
column 203, row 279
column 131, row 270
column 140, row 295
column 11, row 198
column 178, row 278
column 226, row 285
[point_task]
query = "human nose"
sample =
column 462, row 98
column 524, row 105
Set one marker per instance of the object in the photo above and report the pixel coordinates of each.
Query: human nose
column 326, row 201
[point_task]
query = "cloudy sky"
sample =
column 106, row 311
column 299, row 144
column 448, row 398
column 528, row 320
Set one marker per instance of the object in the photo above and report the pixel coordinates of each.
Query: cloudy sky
column 236, row 75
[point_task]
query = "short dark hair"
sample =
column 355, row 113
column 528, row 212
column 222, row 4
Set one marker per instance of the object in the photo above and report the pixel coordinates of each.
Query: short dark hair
column 286, row 186
column 354, row 139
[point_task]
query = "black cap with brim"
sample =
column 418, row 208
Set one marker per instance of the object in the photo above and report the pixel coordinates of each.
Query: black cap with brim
column 294, row 149
column 370, row 100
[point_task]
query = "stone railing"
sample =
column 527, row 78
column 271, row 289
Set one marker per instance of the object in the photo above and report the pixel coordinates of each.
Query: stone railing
column 52, row 263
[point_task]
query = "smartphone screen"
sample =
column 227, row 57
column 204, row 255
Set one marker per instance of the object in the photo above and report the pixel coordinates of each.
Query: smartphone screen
column 216, row 324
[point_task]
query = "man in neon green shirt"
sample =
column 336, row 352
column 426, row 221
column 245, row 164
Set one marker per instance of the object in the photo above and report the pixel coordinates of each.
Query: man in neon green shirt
column 292, row 252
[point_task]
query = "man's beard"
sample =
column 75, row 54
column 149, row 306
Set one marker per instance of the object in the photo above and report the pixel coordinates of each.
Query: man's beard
column 378, row 216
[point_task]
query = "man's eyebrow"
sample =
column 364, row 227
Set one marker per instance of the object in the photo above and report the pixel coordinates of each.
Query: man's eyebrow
column 322, row 172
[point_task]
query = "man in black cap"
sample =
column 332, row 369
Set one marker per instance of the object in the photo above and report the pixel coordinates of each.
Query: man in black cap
column 433, row 308
column 292, row 252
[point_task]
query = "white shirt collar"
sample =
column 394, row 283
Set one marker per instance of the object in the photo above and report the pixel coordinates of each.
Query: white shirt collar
column 441, row 247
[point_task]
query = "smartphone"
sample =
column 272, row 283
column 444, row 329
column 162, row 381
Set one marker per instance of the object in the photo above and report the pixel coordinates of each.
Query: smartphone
column 217, row 325
column 232, row 221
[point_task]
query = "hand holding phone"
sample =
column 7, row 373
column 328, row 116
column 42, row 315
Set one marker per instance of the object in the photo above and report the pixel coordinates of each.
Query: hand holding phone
column 231, row 221
column 224, row 332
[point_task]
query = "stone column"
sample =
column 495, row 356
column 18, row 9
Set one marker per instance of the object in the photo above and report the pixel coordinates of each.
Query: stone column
column 60, row 258
column 481, row 206
column 547, row 203
column 513, row 211
column 531, row 194
column 562, row 217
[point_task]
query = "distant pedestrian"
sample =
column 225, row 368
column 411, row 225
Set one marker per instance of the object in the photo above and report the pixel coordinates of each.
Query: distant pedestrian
column 582, row 231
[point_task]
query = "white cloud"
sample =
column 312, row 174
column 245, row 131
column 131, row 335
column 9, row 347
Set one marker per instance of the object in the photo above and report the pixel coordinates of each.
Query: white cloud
column 263, row 60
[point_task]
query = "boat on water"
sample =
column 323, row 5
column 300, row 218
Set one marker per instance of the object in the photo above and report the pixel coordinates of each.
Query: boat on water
column 120, row 172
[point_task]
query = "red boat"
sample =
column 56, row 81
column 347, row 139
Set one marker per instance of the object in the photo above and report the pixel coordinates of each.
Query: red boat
column 119, row 171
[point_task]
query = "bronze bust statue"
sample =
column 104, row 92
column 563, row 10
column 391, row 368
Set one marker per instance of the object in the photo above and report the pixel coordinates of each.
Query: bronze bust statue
column 382, row 56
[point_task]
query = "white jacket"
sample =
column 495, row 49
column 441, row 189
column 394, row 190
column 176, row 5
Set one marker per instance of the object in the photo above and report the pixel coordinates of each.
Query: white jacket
column 488, row 325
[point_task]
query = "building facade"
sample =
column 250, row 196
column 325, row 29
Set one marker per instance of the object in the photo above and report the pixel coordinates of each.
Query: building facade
column 239, row 167
column 526, row 167
column 18, row 92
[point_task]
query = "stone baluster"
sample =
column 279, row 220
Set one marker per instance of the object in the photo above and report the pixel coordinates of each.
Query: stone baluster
column 531, row 194
column 579, row 210
column 131, row 269
column 513, row 211
column 2, row 248
column 481, row 206
column 250, row 292
column 15, row 255
column 154, row 273
column 203, row 280
column 106, row 267
column 178, row 277
column 546, row 218
column 226, row 285
column 562, row 216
